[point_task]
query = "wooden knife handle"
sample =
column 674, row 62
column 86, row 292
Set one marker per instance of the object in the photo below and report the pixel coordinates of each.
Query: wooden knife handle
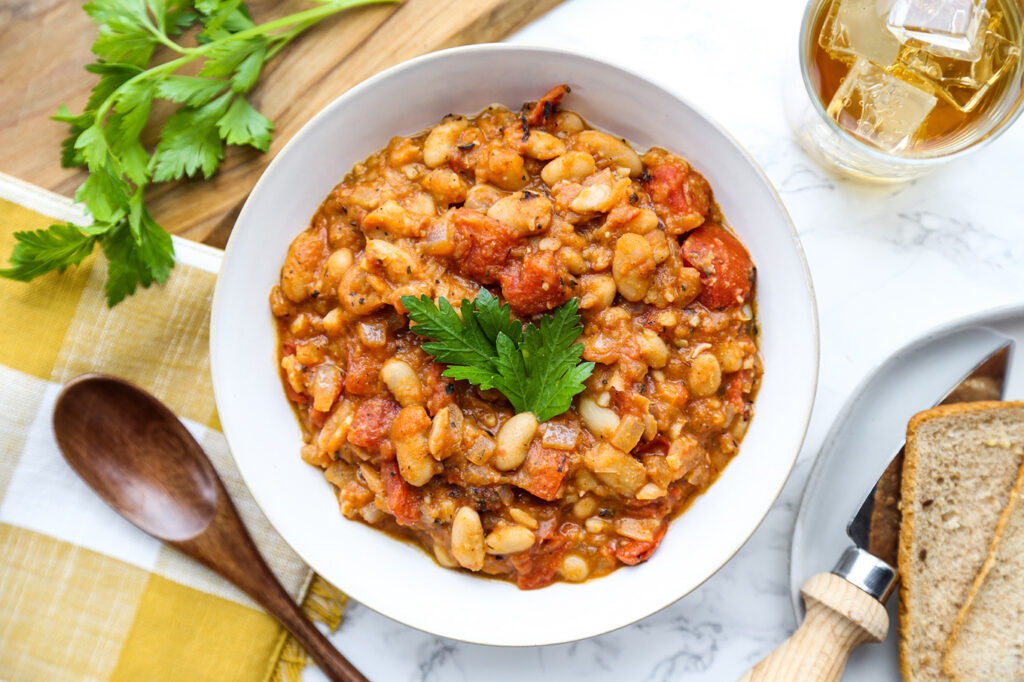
column 840, row 617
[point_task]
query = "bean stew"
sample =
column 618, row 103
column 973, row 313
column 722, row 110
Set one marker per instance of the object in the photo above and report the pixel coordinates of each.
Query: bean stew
column 538, row 208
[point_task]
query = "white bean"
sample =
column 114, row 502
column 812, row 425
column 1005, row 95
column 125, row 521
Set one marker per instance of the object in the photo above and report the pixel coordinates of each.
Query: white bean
column 509, row 540
column 653, row 349
column 601, row 421
column 598, row 197
column 514, row 440
column 440, row 143
column 526, row 212
column 446, row 186
column 402, row 381
column 598, row 291
column 568, row 166
column 409, row 436
column 392, row 219
column 443, row 557
column 446, row 432
column 633, row 266
column 523, row 518
column 611, row 149
column 541, row 145
column 468, row 539
column 396, row 261
column 574, row 568
column 584, row 507
column 482, row 196
column 505, row 169
column 337, row 263
column 568, row 122
column 705, row 375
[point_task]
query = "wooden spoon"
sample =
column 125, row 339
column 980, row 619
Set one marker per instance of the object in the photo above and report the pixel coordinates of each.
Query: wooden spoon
column 135, row 453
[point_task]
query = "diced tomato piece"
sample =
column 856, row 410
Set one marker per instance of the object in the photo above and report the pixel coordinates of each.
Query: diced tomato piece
column 737, row 386
column 290, row 392
column 362, row 374
column 535, row 284
column 681, row 195
column 371, row 425
column 483, row 244
column 403, row 500
column 633, row 552
column 543, row 471
column 439, row 389
column 725, row 267
column 545, row 106
column 659, row 445
column 317, row 418
column 537, row 567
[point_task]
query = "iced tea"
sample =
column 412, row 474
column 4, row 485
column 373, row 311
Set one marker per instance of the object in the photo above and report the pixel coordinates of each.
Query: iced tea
column 916, row 78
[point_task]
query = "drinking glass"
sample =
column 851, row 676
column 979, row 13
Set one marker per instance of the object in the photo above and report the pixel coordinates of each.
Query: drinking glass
column 889, row 89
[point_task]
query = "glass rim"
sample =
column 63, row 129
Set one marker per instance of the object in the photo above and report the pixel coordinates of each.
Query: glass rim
column 1001, row 126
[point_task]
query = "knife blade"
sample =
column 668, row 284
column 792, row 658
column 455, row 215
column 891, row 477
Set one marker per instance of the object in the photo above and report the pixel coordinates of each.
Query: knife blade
column 874, row 528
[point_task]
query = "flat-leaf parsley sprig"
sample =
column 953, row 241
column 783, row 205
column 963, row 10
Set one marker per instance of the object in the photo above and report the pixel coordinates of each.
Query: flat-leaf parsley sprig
column 106, row 137
column 537, row 368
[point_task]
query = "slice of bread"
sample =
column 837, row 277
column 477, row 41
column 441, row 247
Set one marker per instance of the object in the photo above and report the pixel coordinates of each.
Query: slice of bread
column 957, row 479
column 987, row 644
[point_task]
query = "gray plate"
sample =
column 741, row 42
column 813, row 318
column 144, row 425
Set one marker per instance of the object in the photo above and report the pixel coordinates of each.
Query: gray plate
column 870, row 428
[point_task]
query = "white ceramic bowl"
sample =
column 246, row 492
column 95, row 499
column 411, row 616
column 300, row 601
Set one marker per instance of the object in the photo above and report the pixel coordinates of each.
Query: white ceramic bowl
column 397, row 579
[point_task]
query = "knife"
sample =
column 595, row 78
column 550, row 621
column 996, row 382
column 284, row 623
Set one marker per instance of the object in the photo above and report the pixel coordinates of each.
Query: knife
column 846, row 607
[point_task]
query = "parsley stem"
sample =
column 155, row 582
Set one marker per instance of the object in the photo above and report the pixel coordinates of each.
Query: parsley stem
column 298, row 22
column 166, row 67
column 161, row 36
column 284, row 38
column 315, row 14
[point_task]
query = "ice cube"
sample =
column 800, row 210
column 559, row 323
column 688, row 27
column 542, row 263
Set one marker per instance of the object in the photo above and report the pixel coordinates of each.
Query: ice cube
column 960, row 82
column 856, row 28
column 946, row 28
column 879, row 108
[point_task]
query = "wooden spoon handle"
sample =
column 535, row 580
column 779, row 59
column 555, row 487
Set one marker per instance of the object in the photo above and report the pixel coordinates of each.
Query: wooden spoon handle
column 840, row 617
column 226, row 547
column 330, row 660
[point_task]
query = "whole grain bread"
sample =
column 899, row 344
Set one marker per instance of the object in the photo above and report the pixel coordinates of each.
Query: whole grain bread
column 987, row 644
column 957, row 479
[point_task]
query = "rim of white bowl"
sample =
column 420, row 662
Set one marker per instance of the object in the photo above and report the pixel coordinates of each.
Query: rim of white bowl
column 808, row 391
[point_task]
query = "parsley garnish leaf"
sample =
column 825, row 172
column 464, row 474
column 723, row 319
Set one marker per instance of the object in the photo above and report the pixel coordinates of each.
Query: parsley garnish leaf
column 139, row 253
column 537, row 368
column 189, row 142
column 191, row 90
column 39, row 251
column 244, row 125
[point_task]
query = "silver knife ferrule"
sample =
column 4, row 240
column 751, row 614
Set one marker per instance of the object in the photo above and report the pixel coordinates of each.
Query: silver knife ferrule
column 868, row 572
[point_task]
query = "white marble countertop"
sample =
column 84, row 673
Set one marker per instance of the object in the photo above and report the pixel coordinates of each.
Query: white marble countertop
column 887, row 262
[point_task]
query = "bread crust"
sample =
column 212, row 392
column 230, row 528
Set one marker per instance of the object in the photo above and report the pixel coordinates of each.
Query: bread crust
column 979, row 580
column 909, row 513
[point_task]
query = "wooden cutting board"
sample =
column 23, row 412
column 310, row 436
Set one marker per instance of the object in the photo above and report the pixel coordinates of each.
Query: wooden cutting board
column 45, row 43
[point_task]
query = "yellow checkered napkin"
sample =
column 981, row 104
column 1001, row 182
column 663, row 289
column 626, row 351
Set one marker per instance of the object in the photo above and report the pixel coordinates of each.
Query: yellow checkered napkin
column 84, row 595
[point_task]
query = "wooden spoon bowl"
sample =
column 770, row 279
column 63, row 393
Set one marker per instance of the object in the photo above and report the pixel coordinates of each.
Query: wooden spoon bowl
column 137, row 455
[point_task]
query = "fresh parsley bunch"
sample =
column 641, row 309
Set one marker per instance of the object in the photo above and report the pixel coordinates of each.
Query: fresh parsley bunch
column 106, row 137
column 537, row 368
